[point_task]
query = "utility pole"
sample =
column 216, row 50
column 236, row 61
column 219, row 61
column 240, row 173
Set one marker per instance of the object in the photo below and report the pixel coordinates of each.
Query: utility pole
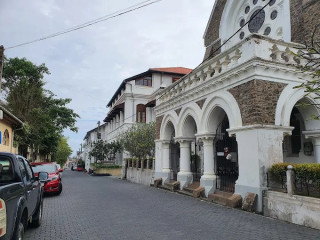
column 1, row 64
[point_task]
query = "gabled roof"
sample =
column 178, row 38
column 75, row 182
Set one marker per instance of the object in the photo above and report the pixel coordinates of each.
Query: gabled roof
column 10, row 117
column 178, row 70
column 169, row 70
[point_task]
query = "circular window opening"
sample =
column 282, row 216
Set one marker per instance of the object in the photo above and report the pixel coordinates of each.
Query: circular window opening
column 256, row 20
column 274, row 14
column 242, row 22
column 267, row 31
column 272, row 2
column 241, row 35
column 247, row 9
column 255, row 2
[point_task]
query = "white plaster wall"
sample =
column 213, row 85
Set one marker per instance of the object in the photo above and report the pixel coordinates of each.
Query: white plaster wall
column 258, row 149
column 248, row 156
column 163, row 80
column 295, row 209
column 158, row 159
column 144, row 176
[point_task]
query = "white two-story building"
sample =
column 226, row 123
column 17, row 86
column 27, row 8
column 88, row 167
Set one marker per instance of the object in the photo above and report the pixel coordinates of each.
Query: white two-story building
column 133, row 102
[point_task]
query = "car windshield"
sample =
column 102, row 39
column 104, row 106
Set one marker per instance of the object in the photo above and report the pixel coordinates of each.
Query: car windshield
column 44, row 168
column 6, row 169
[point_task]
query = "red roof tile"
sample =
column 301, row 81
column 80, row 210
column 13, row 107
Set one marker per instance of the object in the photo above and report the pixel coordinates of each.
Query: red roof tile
column 179, row 70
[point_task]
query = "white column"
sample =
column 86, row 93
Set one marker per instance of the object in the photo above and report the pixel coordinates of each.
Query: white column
column 316, row 145
column 148, row 115
column 208, row 179
column 117, row 118
column 315, row 136
column 185, row 156
column 165, row 157
column 208, row 157
column 121, row 117
column 185, row 176
column 259, row 147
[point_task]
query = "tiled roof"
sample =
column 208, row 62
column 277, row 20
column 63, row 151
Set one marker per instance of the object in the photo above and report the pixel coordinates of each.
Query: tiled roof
column 179, row 70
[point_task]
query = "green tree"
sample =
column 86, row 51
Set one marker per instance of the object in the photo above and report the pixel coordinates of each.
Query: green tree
column 44, row 115
column 102, row 150
column 139, row 140
column 310, row 53
column 113, row 148
column 63, row 151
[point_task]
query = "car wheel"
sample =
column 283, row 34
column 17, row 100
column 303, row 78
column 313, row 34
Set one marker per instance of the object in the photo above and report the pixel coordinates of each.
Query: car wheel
column 19, row 230
column 37, row 216
column 60, row 188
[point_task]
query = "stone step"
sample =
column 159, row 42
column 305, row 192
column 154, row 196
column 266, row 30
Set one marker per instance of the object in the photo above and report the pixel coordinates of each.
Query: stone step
column 172, row 185
column 164, row 187
column 226, row 199
column 191, row 187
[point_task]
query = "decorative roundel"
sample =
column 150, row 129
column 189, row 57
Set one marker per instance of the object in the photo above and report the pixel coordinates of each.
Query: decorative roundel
column 257, row 17
column 257, row 21
column 267, row 31
column 274, row 14
column 247, row 9
column 242, row 22
column 241, row 35
column 272, row 2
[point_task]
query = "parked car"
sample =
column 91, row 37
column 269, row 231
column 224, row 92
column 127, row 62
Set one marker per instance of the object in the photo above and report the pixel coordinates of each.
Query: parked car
column 59, row 167
column 54, row 182
column 80, row 168
column 21, row 196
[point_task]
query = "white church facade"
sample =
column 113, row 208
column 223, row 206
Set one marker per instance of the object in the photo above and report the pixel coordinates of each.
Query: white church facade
column 225, row 123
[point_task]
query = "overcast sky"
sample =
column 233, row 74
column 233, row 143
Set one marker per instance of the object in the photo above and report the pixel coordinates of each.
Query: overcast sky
column 88, row 65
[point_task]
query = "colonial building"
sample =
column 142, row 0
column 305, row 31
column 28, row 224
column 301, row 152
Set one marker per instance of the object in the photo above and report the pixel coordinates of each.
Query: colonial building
column 133, row 102
column 8, row 125
column 225, row 123
column 88, row 141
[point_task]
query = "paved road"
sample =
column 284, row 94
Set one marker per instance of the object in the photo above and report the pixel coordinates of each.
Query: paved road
column 107, row 208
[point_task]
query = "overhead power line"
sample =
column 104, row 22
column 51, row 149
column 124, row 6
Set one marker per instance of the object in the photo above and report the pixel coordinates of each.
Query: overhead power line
column 224, row 43
column 92, row 22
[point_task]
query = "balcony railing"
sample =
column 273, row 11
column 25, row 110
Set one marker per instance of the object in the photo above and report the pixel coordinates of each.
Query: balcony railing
column 215, row 69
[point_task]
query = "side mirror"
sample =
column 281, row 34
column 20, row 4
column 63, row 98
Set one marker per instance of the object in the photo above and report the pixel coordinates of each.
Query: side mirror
column 60, row 170
column 43, row 176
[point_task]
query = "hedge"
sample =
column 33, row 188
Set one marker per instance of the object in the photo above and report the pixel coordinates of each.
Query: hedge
column 307, row 173
column 97, row 165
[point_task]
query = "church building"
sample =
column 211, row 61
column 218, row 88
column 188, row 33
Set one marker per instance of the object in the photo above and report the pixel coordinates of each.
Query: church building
column 224, row 124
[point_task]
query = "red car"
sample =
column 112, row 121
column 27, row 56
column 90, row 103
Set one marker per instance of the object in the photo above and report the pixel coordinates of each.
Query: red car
column 80, row 169
column 53, row 184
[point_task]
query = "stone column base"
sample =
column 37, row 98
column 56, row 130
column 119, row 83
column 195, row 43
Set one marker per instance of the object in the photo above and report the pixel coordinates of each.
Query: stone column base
column 165, row 175
column 209, row 183
column 185, row 178
column 243, row 190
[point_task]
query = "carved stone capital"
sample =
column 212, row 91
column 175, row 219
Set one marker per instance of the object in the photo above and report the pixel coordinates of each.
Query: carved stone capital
column 184, row 139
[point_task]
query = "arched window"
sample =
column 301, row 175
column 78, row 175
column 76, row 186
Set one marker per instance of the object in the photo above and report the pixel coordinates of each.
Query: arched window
column 6, row 138
column 141, row 113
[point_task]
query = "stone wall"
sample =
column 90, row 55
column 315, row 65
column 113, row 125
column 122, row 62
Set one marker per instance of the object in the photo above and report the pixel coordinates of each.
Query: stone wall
column 304, row 17
column 212, row 34
column 295, row 209
column 257, row 101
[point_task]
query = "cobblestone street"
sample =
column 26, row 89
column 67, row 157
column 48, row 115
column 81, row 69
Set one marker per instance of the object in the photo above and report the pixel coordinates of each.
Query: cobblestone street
column 109, row 208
